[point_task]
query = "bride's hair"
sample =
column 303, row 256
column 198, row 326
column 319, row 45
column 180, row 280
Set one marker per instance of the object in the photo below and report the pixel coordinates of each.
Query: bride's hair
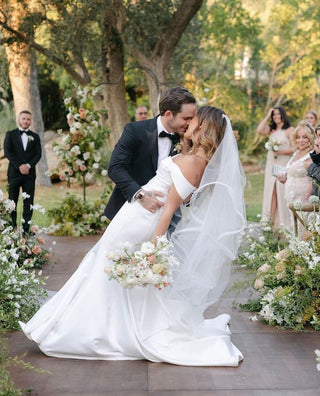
column 213, row 126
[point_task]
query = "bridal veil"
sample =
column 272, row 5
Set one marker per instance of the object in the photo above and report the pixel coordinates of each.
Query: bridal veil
column 207, row 238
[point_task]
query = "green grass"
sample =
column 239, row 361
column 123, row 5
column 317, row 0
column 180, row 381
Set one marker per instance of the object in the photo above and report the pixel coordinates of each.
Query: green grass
column 51, row 197
column 253, row 195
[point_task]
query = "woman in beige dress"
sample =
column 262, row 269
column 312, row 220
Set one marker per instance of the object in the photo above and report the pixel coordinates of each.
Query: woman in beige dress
column 274, row 206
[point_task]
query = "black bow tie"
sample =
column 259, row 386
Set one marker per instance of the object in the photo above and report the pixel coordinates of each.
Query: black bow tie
column 24, row 131
column 174, row 137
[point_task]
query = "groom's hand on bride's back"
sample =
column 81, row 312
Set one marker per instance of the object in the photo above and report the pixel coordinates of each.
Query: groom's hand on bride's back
column 150, row 200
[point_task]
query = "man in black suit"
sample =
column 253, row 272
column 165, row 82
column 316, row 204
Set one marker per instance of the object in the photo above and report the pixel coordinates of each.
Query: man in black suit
column 23, row 150
column 143, row 145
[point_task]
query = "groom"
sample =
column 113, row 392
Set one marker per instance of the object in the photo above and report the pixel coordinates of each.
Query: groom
column 23, row 150
column 143, row 145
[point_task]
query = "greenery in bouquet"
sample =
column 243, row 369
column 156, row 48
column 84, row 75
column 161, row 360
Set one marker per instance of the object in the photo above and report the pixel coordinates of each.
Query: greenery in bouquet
column 77, row 218
column 81, row 149
column 150, row 264
column 286, row 275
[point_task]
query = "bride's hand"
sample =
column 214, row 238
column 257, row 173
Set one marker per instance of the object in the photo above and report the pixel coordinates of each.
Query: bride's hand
column 150, row 201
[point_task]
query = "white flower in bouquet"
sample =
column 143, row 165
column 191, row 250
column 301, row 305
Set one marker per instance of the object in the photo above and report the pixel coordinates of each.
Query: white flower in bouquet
column 147, row 247
column 1, row 195
column 272, row 144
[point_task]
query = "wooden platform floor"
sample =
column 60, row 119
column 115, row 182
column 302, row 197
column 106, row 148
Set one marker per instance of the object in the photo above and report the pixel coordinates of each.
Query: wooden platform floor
column 276, row 362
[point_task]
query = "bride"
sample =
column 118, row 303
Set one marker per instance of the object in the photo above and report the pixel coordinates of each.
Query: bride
column 93, row 317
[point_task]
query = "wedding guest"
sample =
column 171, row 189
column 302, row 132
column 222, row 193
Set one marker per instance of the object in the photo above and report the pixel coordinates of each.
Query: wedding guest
column 298, row 184
column 23, row 149
column 312, row 164
column 312, row 117
column 276, row 126
column 141, row 113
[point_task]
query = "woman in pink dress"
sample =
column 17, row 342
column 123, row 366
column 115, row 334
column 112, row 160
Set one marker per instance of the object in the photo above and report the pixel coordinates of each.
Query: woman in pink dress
column 279, row 130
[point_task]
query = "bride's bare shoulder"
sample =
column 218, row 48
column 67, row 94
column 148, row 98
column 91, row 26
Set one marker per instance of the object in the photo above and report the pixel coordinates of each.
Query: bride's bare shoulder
column 191, row 166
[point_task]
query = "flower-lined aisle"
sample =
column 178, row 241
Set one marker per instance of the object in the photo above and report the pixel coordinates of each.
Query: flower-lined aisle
column 285, row 274
column 22, row 257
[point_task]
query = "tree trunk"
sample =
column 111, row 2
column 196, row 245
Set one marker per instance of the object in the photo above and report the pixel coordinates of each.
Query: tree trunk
column 24, row 83
column 114, row 90
column 159, row 60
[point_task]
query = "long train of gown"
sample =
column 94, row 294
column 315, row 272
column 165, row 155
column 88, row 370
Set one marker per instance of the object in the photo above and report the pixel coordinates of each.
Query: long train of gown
column 282, row 215
column 94, row 318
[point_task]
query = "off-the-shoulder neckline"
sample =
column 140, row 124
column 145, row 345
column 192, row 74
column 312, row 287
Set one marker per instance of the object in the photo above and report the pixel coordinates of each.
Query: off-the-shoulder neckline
column 177, row 166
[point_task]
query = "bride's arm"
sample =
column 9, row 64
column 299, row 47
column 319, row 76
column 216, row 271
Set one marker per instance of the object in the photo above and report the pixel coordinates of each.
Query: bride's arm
column 171, row 205
column 192, row 171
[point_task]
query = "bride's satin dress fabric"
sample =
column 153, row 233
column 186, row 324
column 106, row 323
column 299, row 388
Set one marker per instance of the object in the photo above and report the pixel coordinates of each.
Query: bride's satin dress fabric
column 94, row 318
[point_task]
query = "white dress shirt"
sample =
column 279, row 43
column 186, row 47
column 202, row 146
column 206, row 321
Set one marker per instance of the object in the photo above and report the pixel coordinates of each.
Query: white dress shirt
column 24, row 138
column 164, row 144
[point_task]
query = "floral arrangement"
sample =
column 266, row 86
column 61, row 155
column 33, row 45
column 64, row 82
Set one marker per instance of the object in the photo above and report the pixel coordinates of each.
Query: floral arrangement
column 150, row 265
column 80, row 150
column 6, row 207
column 77, row 218
column 272, row 144
column 21, row 291
column 286, row 275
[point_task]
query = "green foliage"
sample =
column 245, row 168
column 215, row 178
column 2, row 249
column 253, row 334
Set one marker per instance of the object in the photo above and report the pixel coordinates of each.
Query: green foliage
column 7, row 386
column 21, row 291
column 76, row 218
column 286, row 275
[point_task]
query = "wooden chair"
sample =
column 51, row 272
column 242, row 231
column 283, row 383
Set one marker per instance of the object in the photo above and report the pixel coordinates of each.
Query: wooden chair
column 296, row 216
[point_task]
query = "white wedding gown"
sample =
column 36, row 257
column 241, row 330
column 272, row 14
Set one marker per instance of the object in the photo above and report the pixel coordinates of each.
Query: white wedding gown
column 92, row 317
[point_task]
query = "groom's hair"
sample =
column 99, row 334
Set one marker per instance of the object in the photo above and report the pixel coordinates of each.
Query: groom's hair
column 173, row 98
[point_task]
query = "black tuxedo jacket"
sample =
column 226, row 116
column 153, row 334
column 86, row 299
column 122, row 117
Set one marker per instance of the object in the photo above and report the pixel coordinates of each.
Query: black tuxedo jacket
column 13, row 150
column 133, row 162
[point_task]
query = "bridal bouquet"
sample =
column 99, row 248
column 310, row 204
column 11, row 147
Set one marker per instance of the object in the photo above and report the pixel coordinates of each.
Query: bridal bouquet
column 272, row 144
column 151, row 264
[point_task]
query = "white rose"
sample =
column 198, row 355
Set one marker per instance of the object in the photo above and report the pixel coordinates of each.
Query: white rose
column 264, row 268
column 258, row 284
column 86, row 155
column 147, row 247
column 157, row 268
column 108, row 269
column 120, row 269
